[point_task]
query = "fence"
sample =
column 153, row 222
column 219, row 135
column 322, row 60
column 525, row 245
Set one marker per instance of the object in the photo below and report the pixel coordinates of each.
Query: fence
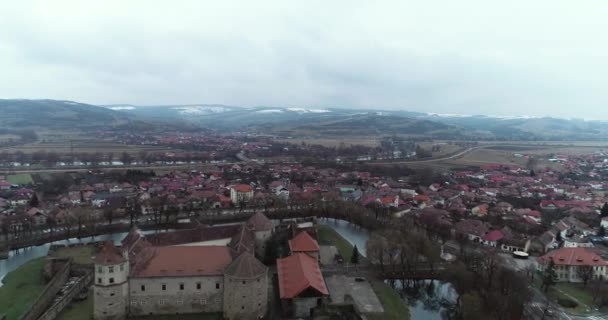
column 50, row 292
column 83, row 282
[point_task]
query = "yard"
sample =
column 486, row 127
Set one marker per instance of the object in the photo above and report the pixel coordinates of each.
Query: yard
column 79, row 310
column 24, row 178
column 571, row 291
column 329, row 236
column 80, row 254
column 394, row 306
column 21, row 288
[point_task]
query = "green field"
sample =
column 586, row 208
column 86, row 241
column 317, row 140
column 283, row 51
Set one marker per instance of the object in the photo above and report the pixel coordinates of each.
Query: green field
column 81, row 255
column 24, row 178
column 394, row 307
column 329, row 236
column 21, row 288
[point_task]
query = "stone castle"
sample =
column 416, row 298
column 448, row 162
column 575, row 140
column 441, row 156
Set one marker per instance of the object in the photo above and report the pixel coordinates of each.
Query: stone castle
column 201, row 270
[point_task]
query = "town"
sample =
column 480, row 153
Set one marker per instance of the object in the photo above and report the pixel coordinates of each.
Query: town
column 250, row 239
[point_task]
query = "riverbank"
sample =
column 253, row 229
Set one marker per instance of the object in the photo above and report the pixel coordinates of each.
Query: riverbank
column 21, row 288
column 394, row 307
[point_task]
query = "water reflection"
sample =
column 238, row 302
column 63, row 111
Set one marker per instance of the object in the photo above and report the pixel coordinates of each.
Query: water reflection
column 351, row 232
column 427, row 299
column 18, row 257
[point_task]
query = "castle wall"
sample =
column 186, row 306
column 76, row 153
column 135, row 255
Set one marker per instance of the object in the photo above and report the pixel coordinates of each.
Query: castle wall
column 111, row 275
column 110, row 302
column 151, row 298
column 245, row 298
column 260, row 243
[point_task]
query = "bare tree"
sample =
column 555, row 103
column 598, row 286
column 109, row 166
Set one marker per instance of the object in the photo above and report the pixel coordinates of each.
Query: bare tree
column 585, row 273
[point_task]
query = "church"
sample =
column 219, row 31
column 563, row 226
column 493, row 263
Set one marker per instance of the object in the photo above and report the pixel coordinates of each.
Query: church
column 200, row 270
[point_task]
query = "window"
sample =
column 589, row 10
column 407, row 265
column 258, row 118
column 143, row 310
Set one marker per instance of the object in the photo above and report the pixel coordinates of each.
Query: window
column 198, row 286
column 181, row 286
column 111, row 294
column 99, row 280
column 164, row 287
column 111, row 280
column 99, row 269
column 217, row 285
column 143, row 287
column 244, row 282
column 122, row 267
column 111, row 269
column 242, row 307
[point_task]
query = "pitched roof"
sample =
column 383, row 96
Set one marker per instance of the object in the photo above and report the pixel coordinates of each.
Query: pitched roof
column 303, row 242
column 297, row 273
column 242, row 188
column 246, row 266
column 259, row 222
column 573, row 257
column 494, row 235
column 243, row 240
column 186, row 261
column 109, row 255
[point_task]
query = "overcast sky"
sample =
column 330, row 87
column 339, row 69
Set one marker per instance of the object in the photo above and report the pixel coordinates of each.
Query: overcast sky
column 539, row 57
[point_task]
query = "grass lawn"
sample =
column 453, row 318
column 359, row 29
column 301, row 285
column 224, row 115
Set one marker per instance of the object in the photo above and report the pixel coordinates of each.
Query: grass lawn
column 81, row 255
column 23, row 178
column 329, row 236
column 205, row 316
column 394, row 307
column 576, row 290
column 21, row 288
column 563, row 290
column 80, row 310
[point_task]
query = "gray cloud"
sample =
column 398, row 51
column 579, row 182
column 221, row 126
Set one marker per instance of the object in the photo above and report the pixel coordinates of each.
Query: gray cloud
column 469, row 57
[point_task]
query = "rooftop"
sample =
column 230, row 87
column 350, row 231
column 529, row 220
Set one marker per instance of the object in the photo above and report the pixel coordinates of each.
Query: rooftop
column 300, row 273
column 303, row 242
column 186, row 262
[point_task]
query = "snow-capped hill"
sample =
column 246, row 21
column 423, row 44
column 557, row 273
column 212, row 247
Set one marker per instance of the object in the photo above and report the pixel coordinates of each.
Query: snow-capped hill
column 305, row 110
column 121, row 108
column 270, row 111
column 201, row 110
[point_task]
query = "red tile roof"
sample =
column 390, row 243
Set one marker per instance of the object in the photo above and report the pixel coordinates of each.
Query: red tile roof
column 494, row 235
column 186, row 262
column 573, row 257
column 297, row 274
column 303, row 242
column 242, row 188
column 109, row 255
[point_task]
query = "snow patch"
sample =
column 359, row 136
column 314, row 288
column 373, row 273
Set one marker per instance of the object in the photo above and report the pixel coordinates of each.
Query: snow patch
column 270, row 111
column 303, row 110
column 117, row 108
column 200, row 110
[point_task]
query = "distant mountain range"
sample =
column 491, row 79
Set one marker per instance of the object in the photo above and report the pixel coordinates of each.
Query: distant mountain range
column 55, row 114
column 296, row 120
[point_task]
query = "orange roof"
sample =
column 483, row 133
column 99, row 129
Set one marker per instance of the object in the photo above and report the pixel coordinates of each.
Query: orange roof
column 573, row 257
column 109, row 255
column 186, row 262
column 299, row 273
column 303, row 242
column 242, row 188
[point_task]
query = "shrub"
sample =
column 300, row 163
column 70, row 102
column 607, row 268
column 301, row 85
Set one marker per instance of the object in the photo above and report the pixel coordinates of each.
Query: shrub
column 567, row 303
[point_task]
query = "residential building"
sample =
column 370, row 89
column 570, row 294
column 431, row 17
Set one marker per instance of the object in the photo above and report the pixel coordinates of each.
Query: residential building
column 570, row 264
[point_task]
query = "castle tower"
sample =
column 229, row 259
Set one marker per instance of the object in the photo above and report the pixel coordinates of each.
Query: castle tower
column 111, row 283
column 245, row 288
column 262, row 228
